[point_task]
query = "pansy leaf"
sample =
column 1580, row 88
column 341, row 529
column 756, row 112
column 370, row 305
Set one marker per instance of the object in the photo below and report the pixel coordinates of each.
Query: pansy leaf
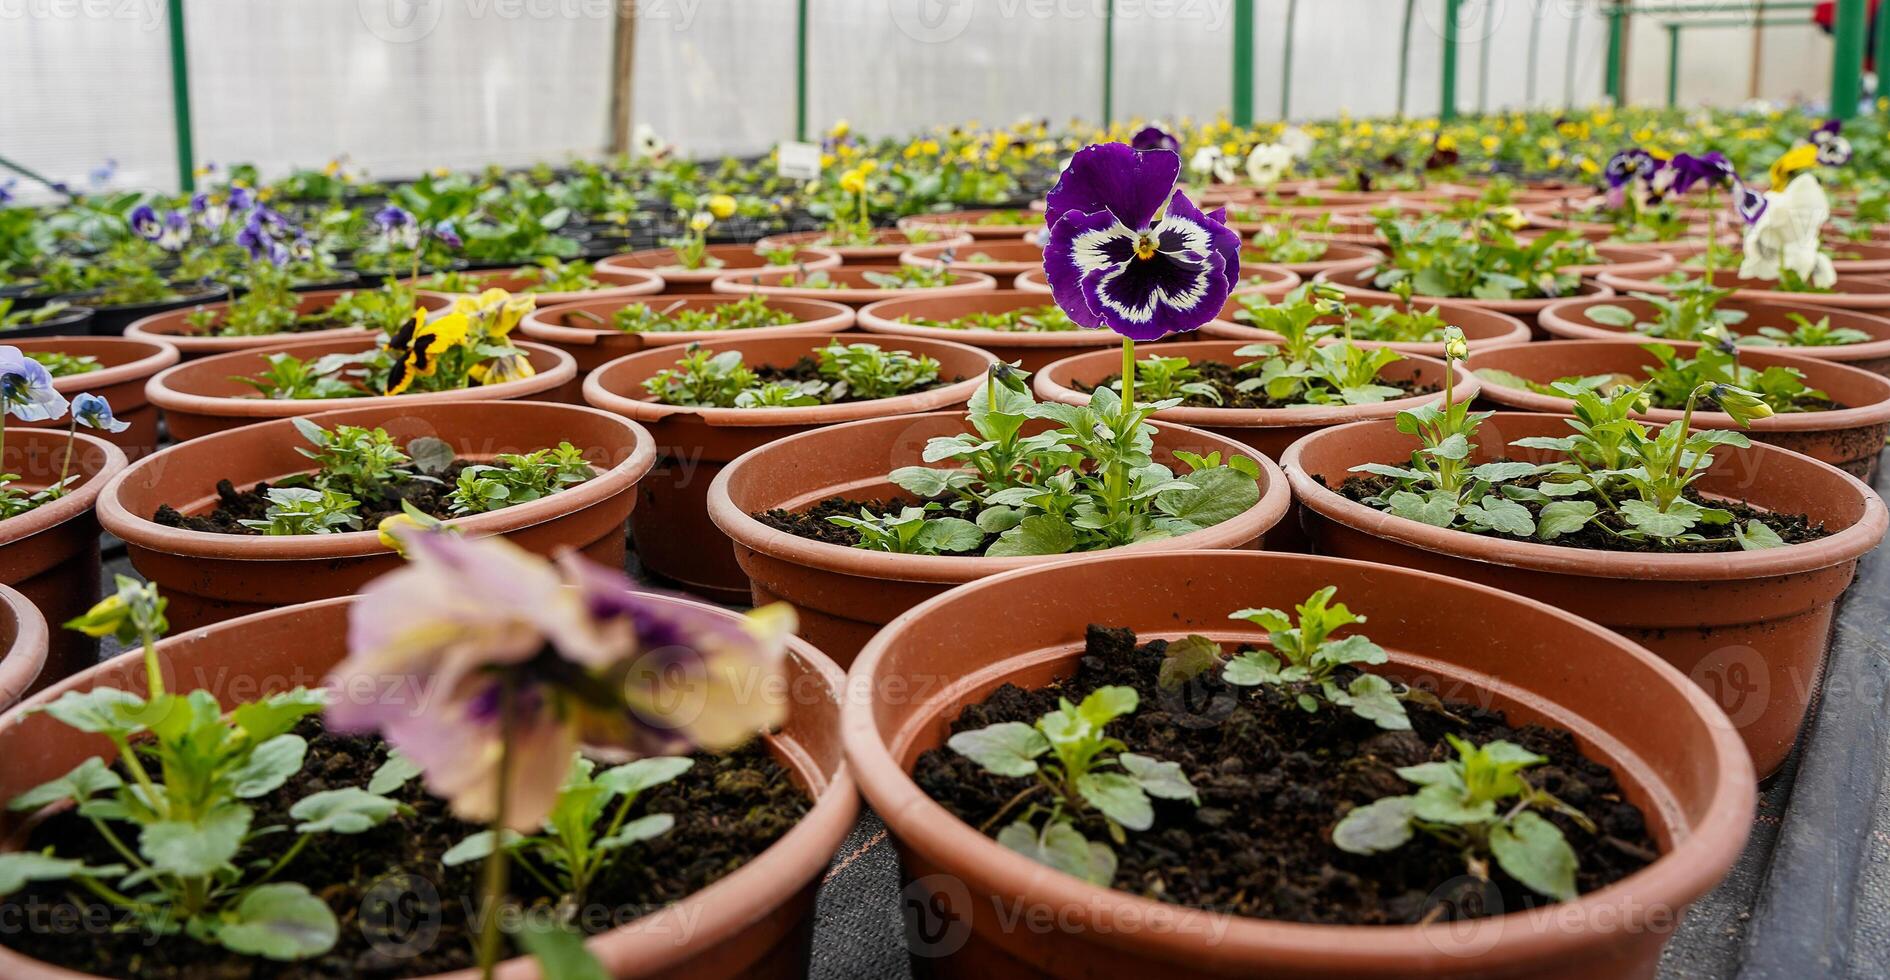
column 349, row 810
column 102, row 710
column 1374, row 699
column 1158, row 778
column 1504, row 470
column 19, row 868
column 1433, row 774
column 1531, row 850
column 274, row 715
column 1383, row 825
column 560, row 952
column 1609, row 315
column 1446, row 804
column 86, row 779
column 268, row 766
column 1755, row 535
column 1186, row 659
column 997, row 520
column 1039, row 534
column 392, row 774
column 1500, row 514
column 1383, row 469
column 641, row 829
column 1252, row 668
column 1355, row 649
column 927, row 482
column 194, row 849
column 1563, row 517
column 1006, row 748
column 279, row 921
column 632, row 778
column 1106, row 704
column 1224, row 494
column 1437, row 510
column 948, row 534
column 1119, row 797
column 431, row 455
column 1062, row 847
column 476, row 847
column 1456, row 446
column 1649, row 519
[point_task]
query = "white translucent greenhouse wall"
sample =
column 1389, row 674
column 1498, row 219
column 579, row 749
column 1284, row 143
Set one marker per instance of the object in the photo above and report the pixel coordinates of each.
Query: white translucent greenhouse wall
column 1716, row 61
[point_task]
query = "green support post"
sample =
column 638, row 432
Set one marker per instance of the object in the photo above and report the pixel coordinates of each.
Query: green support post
column 800, row 70
column 1883, row 51
column 1286, row 61
column 1244, row 23
column 1404, row 54
column 1673, row 64
column 1617, row 39
column 1109, row 64
column 180, row 100
column 1447, row 103
column 1847, row 57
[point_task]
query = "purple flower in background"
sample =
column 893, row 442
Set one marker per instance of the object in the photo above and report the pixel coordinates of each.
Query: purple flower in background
column 240, row 199
column 145, row 223
column 1115, row 260
column 448, row 235
column 94, row 412
column 1626, row 166
column 1749, row 204
column 1833, row 149
column 1155, row 138
column 103, row 173
column 262, row 236
column 176, row 232
column 1711, row 169
column 398, row 227
column 6, row 189
column 26, row 388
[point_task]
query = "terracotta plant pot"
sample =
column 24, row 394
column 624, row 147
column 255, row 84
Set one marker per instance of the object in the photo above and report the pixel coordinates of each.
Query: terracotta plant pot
column 1003, row 260
column 677, row 279
column 1481, row 328
column 171, row 328
column 200, row 397
column 1628, row 260
column 211, row 577
column 1033, row 349
column 1269, row 430
column 1850, row 292
column 1849, row 438
column 592, row 346
column 887, row 244
column 851, row 286
column 756, row 922
column 846, row 594
column 619, row 284
column 50, row 553
column 967, row 223
column 1750, row 627
column 674, row 536
column 1357, row 284
column 23, row 636
column 1271, row 281
column 1666, row 742
column 1569, row 320
column 126, row 365
column 1339, row 256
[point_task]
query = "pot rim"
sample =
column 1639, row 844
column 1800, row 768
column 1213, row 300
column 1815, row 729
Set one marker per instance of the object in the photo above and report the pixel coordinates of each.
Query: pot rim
column 157, row 355
column 538, row 323
column 823, row 258
column 1347, row 282
column 616, row 402
column 963, row 220
column 1867, row 300
column 1049, row 385
column 1845, row 545
column 22, row 662
column 160, row 393
column 732, row 283
column 148, row 328
column 1506, row 329
column 620, row 282
column 882, row 317
column 1560, row 320
column 141, row 531
column 74, row 504
column 716, row 913
column 758, row 537
column 1849, row 417
column 880, row 247
column 1684, row 870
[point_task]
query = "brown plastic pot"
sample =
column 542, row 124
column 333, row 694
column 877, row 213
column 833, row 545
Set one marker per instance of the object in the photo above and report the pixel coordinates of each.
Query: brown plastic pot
column 1569, row 320
column 851, row 286
column 756, row 922
column 1357, row 284
column 1850, row 292
column 1667, row 744
column 211, row 577
column 674, row 536
column 592, row 346
column 1628, row 260
column 23, row 635
column 677, row 279
column 887, row 244
column 200, row 397
column 50, row 553
column 1271, row 281
column 1849, row 438
column 845, row 595
column 1750, row 627
column 1339, row 256
column 1481, row 328
column 172, row 328
column 1032, row 349
column 619, row 284
column 1002, row 260
column 127, row 363
column 952, row 223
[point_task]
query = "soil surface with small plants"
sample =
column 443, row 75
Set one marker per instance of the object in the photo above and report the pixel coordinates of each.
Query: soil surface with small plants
column 812, row 524
column 401, row 912
column 1274, row 779
column 808, row 369
column 1226, row 378
column 235, row 506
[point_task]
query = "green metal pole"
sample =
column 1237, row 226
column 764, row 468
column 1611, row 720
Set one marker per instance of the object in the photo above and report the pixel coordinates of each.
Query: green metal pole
column 1617, row 37
column 800, row 70
column 1568, row 64
column 1883, row 50
column 1847, row 64
column 180, row 100
column 1244, row 23
column 1109, row 64
column 1673, row 65
column 1286, row 61
column 1447, row 105
column 1404, row 55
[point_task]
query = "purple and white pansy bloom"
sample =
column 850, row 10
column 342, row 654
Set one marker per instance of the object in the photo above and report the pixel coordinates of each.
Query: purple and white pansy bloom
column 145, row 223
column 26, row 388
column 1749, row 204
column 398, row 227
column 1711, row 169
column 94, row 412
column 1129, row 252
column 1627, row 165
column 1833, row 149
column 1155, row 138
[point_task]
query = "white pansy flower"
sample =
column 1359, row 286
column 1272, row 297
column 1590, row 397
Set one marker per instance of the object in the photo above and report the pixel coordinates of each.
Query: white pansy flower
column 1787, row 236
column 1268, row 163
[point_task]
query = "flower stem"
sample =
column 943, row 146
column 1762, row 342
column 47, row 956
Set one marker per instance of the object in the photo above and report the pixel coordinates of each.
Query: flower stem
column 65, row 465
column 495, row 870
column 153, row 677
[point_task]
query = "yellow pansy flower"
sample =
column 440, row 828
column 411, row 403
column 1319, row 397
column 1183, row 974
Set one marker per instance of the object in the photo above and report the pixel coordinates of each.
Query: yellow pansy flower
column 1804, row 156
column 722, row 206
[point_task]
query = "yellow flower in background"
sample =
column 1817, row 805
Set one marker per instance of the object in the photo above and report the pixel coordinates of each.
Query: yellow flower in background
column 1492, row 143
column 511, row 367
column 722, row 206
column 826, row 160
column 840, row 129
column 700, row 221
column 1511, row 218
column 853, row 181
column 1446, row 142
column 1589, row 167
column 332, row 168
column 420, row 343
column 1804, row 156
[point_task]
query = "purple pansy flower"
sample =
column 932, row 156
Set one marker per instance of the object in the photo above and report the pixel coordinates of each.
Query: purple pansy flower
column 1115, row 260
column 398, row 227
column 1833, row 149
column 94, row 412
column 6, row 189
column 1749, row 204
column 1155, row 138
column 26, row 388
column 1711, row 169
column 145, row 223
column 1627, row 165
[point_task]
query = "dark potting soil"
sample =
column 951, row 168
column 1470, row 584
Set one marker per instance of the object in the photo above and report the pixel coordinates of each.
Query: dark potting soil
column 1792, row 528
column 234, row 506
column 728, row 809
column 1226, row 377
column 1274, row 780
column 812, row 523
